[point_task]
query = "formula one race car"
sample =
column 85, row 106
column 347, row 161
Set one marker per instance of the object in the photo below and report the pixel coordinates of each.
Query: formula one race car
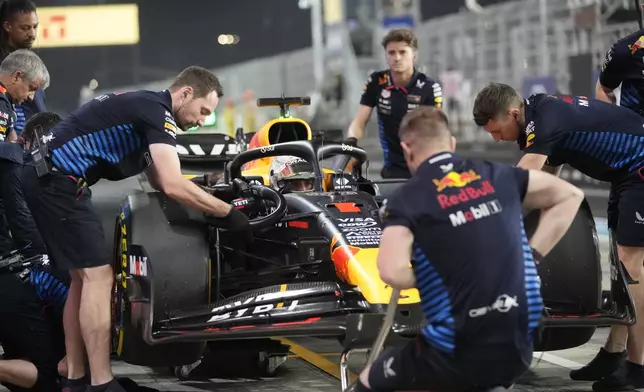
column 311, row 271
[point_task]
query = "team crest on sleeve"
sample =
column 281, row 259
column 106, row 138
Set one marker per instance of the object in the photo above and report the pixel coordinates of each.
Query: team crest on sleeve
column 170, row 126
column 4, row 124
column 639, row 44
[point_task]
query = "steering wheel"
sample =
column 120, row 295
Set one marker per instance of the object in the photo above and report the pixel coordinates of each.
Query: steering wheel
column 249, row 198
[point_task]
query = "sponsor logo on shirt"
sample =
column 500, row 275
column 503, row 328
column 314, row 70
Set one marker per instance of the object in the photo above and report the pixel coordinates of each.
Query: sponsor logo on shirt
column 639, row 44
column 530, row 128
column 483, row 210
column 466, row 194
column 503, row 304
column 170, row 129
column 456, row 180
column 530, row 140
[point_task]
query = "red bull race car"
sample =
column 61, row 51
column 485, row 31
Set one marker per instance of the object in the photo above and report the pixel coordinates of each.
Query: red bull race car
column 184, row 283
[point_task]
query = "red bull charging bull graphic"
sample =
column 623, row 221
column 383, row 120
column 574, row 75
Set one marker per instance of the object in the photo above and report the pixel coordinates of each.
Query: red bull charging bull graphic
column 456, row 180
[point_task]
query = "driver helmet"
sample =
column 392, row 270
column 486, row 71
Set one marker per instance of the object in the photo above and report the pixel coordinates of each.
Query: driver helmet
column 292, row 174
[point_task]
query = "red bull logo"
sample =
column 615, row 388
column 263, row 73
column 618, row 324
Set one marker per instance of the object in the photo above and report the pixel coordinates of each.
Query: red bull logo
column 456, row 180
column 639, row 44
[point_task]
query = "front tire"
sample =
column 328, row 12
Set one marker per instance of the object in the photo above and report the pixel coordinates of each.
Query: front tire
column 175, row 275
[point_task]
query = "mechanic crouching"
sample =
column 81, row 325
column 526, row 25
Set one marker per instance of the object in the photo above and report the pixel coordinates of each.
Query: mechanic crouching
column 470, row 260
column 31, row 331
column 31, row 307
column 21, row 74
column 114, row 136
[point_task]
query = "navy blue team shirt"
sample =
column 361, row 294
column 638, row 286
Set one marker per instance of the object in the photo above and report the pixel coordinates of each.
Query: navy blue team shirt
column 109, row 136
column 474, row 269
column 393, row 103
column 601, row 140
column 624, row 64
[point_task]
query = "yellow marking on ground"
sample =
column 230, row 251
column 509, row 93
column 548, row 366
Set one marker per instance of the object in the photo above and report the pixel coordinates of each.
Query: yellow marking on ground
column 317, row 360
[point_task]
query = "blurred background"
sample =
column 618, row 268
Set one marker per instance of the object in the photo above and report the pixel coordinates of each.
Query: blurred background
column 325, row 49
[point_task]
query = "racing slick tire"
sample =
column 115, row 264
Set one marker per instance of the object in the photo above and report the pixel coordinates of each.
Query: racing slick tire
column 161, row 259
column 570, row 280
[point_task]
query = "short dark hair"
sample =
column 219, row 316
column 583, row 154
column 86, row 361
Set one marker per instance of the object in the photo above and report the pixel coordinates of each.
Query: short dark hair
column 493, row 100
column 8, row 9
column 43, row 122
column 202, row 81
column 400, row 35
column 427, row 122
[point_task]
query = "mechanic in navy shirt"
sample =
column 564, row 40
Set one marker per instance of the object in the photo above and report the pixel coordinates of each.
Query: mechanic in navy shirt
column 31, row 331
column 394, row 91
column 460, row 222
column 114, row 136
column 19, row 29
column 21, row 74
column 605, row 142
column 624, row 65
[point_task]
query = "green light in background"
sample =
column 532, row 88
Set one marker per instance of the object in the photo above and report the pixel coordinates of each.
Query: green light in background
column 210, row 121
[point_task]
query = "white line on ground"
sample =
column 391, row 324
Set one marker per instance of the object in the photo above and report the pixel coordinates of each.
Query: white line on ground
column 556, row 360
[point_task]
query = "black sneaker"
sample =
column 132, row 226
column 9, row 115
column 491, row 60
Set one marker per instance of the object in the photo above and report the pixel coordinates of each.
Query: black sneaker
column 603, row 365
column 630, row 376
column 77, row 385
column 111, row 386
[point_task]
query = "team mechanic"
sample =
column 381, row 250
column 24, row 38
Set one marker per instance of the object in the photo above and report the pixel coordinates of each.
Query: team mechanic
column 31, row 331
column 395, row 91
column 482, row 302
column 605, row 142
column 623, row 65
column 114, row 136
column 19, row 30
column 33, row 340
column 31, row 307
column 21, row 73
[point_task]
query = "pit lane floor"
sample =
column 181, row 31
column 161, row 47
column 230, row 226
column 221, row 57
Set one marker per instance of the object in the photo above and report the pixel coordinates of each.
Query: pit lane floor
column 314, row 363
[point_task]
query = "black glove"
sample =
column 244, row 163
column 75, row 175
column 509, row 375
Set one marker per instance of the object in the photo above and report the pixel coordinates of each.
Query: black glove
column 538, row 257
column 235, row 222
column 352, row 141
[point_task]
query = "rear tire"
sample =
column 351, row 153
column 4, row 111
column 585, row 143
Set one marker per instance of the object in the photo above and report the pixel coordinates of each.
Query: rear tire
column 178, row 273
column 575, row 258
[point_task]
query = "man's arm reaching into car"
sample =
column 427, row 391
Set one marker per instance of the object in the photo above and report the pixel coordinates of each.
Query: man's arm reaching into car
column 359, row 123
column 165, row 175
column 558, row 201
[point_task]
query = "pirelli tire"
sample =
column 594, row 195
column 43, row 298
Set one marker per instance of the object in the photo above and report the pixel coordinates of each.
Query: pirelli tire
column 159, row 254
column 570, row 279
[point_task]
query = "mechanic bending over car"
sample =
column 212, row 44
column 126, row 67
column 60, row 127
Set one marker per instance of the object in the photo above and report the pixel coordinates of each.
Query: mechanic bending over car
column 114, row 136
column 482, row 301
column 291, row 174
column 603, row 141
column 21, row 73
column 395, row 91
column 622, row 66
column 19, row 29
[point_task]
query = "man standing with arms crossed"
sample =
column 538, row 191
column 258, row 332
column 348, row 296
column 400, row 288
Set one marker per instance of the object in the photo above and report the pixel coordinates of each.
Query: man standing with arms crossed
column 482, row 301
column 605, row 142
column 394, row 91
column 114, row 136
